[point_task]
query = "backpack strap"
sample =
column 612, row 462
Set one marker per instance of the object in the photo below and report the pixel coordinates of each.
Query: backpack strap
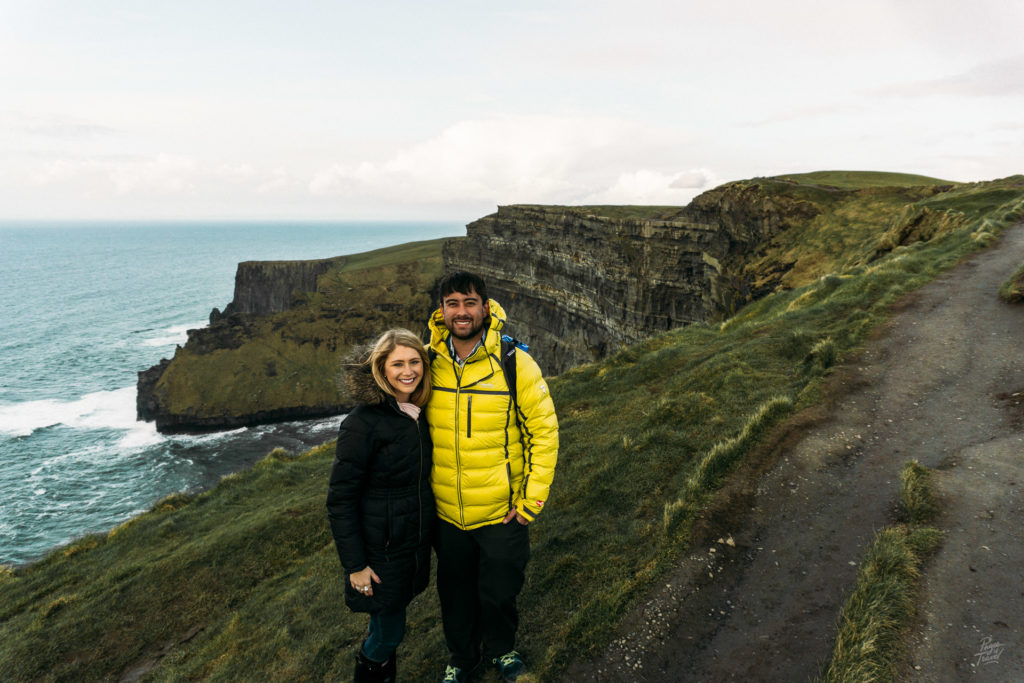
column 508, row 366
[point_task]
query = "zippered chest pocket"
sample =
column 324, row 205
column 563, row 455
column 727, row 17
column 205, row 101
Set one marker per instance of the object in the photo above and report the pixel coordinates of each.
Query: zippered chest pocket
column 469, row 417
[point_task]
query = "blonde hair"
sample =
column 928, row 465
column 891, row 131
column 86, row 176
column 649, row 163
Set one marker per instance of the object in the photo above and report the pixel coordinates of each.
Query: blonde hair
column 383, row 348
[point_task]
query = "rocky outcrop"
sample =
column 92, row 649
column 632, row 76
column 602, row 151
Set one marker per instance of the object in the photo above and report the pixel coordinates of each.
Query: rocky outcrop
column 274, row 353
column 146, row 406
column 579, row 284
column 264, row 287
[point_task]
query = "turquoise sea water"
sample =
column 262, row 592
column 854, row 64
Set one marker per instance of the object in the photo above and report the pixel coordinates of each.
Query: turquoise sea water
column 83, row 308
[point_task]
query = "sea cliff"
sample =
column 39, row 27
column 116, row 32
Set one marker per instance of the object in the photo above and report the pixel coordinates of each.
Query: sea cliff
column 273, row 353
column 579, row 283
column 676, row 431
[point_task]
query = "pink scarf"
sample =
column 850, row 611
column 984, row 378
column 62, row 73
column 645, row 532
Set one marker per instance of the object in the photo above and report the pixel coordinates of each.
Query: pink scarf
column 410, row 409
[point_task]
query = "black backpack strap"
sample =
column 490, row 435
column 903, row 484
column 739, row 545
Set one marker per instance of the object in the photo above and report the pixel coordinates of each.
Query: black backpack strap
column 508, row 366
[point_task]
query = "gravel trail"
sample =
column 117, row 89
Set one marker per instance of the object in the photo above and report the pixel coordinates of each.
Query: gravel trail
column 943, row 382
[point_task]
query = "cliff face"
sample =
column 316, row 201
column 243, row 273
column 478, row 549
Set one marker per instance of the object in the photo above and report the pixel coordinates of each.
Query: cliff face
column 578, row 284
column 273, row 354
column 581, row 282
column 263, row 287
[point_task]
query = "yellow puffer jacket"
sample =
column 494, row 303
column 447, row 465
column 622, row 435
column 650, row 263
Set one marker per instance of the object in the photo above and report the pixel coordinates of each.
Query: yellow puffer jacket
column 485, row 462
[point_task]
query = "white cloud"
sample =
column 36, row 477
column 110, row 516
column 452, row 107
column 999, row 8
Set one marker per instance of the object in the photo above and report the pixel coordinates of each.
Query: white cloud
column 654, row 187
column 816, row 111
column 336, row 111
column 1000, row 78
column 547, row 159
column 698, row 179
column 163, row 174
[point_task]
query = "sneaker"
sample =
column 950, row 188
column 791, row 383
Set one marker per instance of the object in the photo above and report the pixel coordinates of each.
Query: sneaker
column 453, row 674
column 510, row 665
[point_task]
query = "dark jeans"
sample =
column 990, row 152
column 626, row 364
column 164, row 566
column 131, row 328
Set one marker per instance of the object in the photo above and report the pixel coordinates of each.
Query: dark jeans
column 479, row 575
column 384, row 634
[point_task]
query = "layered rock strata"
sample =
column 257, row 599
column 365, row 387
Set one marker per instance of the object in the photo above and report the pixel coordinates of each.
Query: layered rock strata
column 578, row 285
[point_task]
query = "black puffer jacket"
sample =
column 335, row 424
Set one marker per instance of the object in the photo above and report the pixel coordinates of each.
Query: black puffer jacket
column 379, row 501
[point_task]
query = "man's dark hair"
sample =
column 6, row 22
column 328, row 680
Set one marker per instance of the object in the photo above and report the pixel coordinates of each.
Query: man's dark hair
column 464, row 283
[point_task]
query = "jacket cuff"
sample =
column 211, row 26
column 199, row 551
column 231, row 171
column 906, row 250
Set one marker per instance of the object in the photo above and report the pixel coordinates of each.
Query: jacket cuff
column 530, row 512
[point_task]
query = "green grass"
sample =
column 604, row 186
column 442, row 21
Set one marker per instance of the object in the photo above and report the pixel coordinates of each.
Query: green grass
column 617, row 212
column 916, row 498
column 289, row 359
column 243, row 582
column 1012, row 291
column 881, row 607
column 853, row 180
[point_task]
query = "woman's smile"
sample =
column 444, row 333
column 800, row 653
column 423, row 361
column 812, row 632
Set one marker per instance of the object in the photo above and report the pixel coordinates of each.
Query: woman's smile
column 403, row 369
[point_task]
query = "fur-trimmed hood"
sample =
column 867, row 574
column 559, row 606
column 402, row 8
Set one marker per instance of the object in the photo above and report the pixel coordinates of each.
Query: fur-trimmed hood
column 357, row 377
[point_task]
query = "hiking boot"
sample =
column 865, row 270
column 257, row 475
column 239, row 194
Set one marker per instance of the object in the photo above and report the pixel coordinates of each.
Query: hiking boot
column 510, row 665
column 369, row 671
column 454, row 674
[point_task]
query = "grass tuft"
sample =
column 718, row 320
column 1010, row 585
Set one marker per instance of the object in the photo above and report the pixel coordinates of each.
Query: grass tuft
column 916, row 497
column 882, row 605
column 823, row 354
column 722, row 456
column 877, row 612
column 1012, row 291
column 81, row 545
column 57, row 605
column 173, row 502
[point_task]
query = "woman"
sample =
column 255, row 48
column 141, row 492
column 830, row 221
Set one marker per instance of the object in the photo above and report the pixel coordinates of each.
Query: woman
column 379, row 501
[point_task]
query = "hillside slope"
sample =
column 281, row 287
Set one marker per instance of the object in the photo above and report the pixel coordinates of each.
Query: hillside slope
column 242, row 582
column 936, row 385
column 578, row 283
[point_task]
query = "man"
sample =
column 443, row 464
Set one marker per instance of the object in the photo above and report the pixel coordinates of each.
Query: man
column 494, row 459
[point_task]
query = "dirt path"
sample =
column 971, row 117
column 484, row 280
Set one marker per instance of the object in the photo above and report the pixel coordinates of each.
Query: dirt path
column 759, row 602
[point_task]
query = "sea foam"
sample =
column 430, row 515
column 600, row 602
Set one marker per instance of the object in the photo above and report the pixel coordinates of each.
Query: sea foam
column 176, row 335
column 97, row 410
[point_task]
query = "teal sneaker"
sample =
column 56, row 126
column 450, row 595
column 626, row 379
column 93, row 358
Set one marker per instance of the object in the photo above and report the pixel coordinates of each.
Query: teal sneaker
column 510, row 665
column 453, row 674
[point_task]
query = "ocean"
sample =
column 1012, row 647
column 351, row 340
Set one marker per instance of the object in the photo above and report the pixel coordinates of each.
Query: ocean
column 87, row 305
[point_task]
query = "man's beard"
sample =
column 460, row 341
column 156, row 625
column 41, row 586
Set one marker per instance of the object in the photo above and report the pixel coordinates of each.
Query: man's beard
column 474, row 333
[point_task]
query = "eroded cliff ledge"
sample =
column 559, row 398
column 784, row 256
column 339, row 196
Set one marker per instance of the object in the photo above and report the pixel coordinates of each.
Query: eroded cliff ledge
column 578, row 283
column 581, row 282
column 274, row 353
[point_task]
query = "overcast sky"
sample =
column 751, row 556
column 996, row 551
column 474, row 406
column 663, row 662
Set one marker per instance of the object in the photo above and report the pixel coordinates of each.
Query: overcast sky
column 444, row 109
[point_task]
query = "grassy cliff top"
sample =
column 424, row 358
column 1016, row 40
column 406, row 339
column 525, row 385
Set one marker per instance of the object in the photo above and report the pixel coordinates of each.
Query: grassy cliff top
column 253, row 367
column 242, row 582
column 854, row 180
column 399, row 253
column 830, row 180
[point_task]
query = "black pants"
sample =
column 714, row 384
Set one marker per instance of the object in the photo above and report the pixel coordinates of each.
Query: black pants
column 479, row 575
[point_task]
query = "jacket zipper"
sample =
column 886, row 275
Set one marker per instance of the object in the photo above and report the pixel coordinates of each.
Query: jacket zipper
column 387, row 526
column 458, row 460
column 419, row 490
column 419, row 496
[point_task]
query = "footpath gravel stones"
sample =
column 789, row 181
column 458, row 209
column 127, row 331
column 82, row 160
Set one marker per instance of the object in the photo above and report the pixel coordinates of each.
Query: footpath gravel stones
column 938, row 385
